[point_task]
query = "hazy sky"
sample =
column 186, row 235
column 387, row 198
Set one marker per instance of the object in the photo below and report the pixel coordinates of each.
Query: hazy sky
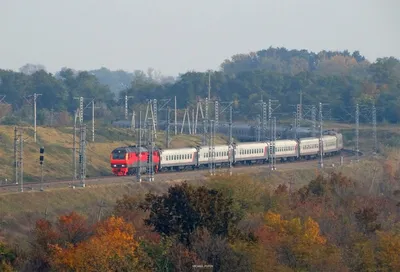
column 174, row 36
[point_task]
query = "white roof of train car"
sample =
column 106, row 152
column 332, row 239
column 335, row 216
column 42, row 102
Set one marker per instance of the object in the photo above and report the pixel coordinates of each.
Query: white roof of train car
column 285, row 142
column 251, row 145
column 178, row 150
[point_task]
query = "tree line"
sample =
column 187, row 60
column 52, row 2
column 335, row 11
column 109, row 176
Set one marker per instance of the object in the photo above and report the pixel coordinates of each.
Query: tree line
column 340, row 79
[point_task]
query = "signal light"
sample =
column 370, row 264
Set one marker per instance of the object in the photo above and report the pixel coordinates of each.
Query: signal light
column 41, row 158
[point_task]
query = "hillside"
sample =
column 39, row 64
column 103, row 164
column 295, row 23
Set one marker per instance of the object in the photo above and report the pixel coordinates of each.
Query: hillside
column 58, row 144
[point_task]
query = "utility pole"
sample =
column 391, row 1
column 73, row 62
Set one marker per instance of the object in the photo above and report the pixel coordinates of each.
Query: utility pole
column 76, row 113
column 93, row 122
column 300, row 107
column 133, row 121
column 176, row 119
column 51, row 116
column 298, row 117
column 272, row 145
column 231, row 149
column 81, row 110
column 167, row 140
column 211, row 149
column 82, row 154
column 139, row 153
column 35, row 96
column 216, row 113
column 205, row 122
column 230, row 124
column 155, row 119
column 357, row 131
column 16, row 152
column 314, row 120
column 126, row 105
column 264, row 120
column 209, row 85
column 150, row 149
column 270, row 117
column 21, row 159
column 374, row 134
column 321, row 143
column 258, row 135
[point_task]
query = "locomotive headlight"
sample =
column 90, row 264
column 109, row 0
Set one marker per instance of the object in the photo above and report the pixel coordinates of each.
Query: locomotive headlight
column 115, row 165
column 123, row 165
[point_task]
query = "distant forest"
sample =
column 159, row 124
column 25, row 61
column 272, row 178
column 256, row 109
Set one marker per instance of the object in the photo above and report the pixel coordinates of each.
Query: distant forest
column 340, row 79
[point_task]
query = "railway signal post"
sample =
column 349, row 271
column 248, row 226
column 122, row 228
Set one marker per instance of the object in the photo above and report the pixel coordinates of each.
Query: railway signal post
column 41, row 161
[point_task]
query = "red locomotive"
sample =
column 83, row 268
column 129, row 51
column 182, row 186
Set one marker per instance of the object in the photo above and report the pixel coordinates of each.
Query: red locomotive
column 126, row 160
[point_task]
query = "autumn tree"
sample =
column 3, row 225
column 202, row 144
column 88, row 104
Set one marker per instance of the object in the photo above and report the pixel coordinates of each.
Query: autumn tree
column 388, row 251
column 218, row 252
column 7, row 258
column 367, row 220
column 111, row 248
column 299, row 245
column 185, row 208
column 70, row 229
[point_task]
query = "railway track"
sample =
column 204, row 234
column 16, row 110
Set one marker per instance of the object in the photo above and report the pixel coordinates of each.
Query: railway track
column 165, row 176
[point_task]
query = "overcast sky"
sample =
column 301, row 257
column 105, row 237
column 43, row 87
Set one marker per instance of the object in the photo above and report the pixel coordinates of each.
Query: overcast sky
column 174, row 36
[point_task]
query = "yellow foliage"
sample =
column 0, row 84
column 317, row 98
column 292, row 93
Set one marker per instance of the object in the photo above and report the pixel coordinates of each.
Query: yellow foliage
column 312, row 232
column 302, row 239
column 111, row 248
column 388, row 255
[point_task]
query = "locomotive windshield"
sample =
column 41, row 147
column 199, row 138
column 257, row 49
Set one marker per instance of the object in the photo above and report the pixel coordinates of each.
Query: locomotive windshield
column 118, row 155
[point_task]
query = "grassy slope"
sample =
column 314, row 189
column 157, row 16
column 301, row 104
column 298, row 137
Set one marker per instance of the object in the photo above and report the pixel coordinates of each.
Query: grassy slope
column 58, row 150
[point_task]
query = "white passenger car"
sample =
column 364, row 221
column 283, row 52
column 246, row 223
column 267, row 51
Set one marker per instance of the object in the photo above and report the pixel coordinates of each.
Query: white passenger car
column 309, row 146
column 329, row 144
column 286, row 149
column 251, row 151
column 178, row 157
column 221, row 154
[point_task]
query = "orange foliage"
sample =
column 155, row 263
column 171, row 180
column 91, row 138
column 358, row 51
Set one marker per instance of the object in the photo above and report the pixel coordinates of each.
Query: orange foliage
column 111, row 248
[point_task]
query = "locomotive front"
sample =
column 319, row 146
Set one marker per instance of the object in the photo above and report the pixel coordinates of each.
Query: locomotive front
column 119, row 161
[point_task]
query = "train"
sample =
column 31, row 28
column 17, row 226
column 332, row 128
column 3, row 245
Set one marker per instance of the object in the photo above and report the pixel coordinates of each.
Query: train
column 129, row 160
